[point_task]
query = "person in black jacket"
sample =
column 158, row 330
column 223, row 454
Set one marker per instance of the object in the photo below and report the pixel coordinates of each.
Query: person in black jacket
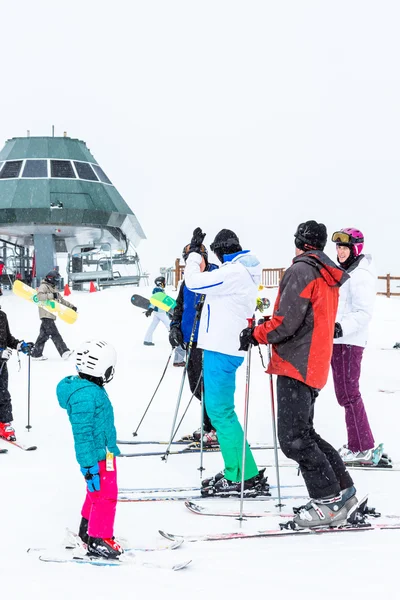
column 187, row 304
column 7, row 342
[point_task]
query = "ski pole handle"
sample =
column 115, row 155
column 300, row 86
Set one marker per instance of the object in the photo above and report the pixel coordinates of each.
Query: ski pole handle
column 250, row 322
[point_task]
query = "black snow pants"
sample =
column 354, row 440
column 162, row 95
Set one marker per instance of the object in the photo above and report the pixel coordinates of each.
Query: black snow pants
column 195, row 376
column 5, row 398
column 323, row 470
column 48, row 329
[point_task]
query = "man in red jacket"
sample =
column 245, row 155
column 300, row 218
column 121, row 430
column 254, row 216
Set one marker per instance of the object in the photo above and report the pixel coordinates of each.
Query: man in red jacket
column 301, row 333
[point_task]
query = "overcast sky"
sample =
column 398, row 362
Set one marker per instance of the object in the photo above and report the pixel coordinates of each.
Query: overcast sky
column 250, row 115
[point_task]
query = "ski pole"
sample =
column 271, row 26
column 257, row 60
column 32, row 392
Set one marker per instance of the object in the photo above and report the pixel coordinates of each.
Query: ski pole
column 189, row 349
column 187, row 408
column 250, row 323
column 29, row 426
column 155, row 392
column 201, row 468
column 271, row 384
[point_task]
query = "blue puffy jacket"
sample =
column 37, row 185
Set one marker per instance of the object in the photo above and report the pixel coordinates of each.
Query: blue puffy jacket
column 92, row 418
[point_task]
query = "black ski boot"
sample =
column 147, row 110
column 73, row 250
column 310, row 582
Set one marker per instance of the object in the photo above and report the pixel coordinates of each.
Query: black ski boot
column 220, row 486
column 212, row 480
column 83, row 531
column 106, row 548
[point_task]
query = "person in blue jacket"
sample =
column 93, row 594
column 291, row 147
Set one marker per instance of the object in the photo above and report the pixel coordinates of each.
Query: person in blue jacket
column 92, row 419
column 160, row 316
column 187, row 305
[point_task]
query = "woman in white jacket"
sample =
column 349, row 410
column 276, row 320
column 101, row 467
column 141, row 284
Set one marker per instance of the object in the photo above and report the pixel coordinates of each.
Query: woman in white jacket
column 356, row 301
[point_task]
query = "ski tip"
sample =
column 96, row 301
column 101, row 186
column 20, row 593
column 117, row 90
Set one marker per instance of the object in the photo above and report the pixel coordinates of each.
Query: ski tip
column 168, row 536
column 193, row 506
column 183, row 565
column 30, row 448
column 177, row 544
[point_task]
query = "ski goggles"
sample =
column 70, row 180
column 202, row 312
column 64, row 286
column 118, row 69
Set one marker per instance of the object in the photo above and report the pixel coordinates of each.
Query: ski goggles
column 341, row 237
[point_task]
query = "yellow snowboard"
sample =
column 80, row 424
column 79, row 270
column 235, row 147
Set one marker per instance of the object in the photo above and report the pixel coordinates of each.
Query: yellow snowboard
column 52, row 306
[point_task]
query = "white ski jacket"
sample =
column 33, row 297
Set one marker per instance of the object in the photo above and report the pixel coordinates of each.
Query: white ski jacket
column 231, row 293
column 356, row 303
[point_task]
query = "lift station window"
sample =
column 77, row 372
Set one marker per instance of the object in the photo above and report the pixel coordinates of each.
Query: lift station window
column 11, row 169
column 35, row 168
column 85, row 171
column 100, row 173
column 62, row 168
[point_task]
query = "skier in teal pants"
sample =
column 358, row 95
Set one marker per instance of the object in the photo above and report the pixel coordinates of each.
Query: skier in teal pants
column 230, row 299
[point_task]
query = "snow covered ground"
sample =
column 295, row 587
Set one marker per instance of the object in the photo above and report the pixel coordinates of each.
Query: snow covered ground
column 41, row 492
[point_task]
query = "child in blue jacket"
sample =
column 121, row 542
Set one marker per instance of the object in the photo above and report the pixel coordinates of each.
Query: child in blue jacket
column 92, row 418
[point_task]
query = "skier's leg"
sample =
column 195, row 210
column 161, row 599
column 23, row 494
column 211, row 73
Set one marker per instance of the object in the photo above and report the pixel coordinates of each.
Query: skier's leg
column 346, row 370
column 149, row 333
column 41, row 340
column 164, row 318
column 195, row 377
column 56, row 337
column 219, row 387
column 295, row 432
column 5, row 398
column 104, row 504
column 179, row 356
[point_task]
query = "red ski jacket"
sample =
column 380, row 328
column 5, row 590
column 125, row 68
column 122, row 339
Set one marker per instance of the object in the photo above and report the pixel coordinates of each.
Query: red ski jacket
column 302, row 326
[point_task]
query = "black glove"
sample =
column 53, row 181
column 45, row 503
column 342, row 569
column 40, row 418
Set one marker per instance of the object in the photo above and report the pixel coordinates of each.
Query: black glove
column 338, row 331
column 74, row 308
column 148, row 312
column 175, row 336
column 196, row 242
column 246, row 339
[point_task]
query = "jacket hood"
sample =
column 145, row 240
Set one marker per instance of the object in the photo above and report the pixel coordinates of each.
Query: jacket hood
column 333, row 275
column 366, row 264
column 68, row 386
column 251, row 263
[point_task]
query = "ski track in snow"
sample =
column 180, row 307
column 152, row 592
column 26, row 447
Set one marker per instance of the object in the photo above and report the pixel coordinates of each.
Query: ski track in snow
column 42, row 492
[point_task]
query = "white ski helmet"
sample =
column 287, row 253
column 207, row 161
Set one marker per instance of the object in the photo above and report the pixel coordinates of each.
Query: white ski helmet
column 96, row 358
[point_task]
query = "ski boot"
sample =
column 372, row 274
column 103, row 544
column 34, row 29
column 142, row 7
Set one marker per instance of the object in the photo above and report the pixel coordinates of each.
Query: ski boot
column 210, row 481
column 220, row 486
column 83, row 530
column 323, row 512
column 210, row 438
column 104, row 548
column 7, row 432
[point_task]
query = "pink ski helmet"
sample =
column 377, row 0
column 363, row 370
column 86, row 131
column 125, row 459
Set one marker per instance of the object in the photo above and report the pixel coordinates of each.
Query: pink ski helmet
column 350, row 236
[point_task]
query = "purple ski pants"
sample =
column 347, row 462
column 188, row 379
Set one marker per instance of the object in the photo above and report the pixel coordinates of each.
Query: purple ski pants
column 346, row 370
column 99, row 507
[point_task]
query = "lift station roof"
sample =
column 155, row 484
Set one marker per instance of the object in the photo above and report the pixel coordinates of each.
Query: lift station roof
column 55, row 185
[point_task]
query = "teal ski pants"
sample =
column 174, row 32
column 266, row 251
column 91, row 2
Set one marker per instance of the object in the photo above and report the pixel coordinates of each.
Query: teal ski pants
column 219, row 390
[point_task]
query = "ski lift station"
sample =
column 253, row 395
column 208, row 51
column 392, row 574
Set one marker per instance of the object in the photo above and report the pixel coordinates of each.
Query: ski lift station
column 55, row 198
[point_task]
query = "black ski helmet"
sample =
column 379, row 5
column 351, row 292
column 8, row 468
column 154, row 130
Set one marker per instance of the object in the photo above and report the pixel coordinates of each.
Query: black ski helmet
column 160, row 281
column 52, row 277
column 225, row 242
column 310, row 236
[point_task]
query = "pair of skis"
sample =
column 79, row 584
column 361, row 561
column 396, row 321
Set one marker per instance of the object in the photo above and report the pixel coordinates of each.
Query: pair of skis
column 360, row 523
column 240, row 535
column 75, row 551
